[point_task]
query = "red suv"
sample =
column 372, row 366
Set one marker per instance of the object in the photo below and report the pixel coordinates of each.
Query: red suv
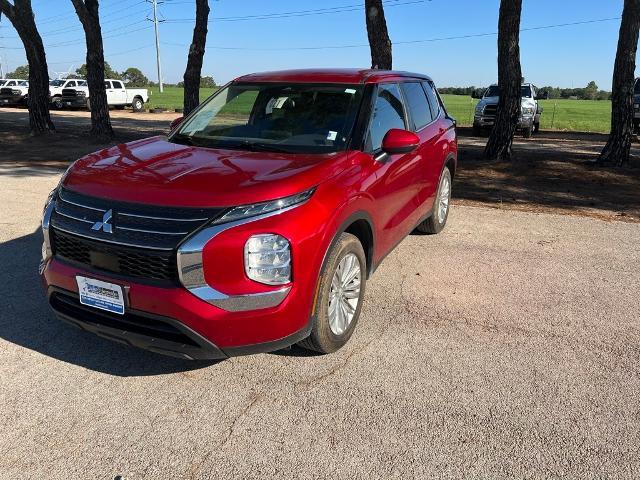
column 256, row 222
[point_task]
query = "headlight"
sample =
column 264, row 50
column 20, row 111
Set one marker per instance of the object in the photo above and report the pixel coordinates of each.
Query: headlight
column 267, row 259
column 246, row 211
column 16, row 92
column 479, row 108
column 527, row 110
column 80, row 93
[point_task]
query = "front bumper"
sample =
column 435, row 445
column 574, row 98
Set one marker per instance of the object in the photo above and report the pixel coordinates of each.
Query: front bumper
column 485, row 121
column 246, row 318
column 74, row 102
column 6, row 100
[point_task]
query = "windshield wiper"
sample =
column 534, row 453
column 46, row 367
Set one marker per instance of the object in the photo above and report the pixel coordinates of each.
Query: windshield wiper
column 261, row 147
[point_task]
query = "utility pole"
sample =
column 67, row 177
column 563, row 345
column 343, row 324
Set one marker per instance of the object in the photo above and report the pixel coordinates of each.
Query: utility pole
column 155, row 24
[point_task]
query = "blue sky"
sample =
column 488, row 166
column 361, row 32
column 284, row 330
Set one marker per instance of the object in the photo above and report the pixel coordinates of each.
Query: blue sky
column 565, row 56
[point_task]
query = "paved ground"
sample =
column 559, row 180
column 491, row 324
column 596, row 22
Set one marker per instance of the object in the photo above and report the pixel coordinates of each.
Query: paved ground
column 507, row 347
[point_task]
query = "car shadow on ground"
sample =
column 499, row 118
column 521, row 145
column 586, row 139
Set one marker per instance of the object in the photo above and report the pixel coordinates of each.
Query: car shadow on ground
column 26, row 320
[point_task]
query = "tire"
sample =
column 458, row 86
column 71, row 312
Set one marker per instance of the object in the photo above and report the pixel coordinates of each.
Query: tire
column 441, row 206
column 331, row 327
column 57, row 103
column 476, row 131
column 527, row 132
column 636, row 126
column 137, row 105
column 536, row 127
column 88, row 104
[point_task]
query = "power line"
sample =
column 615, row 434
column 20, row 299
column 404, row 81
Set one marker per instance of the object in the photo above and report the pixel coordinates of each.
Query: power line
column 297, row 13
column 404, row 42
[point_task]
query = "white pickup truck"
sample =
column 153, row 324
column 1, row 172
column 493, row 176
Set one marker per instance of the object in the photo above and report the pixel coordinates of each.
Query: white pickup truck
column 13, row 91
column 117, row 96
column 56, row 87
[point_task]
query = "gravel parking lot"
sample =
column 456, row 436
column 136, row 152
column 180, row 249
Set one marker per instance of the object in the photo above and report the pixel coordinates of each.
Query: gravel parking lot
column 507, row 347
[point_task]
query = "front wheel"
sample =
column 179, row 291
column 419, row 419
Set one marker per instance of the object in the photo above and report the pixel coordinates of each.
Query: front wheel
column 438, row 219
column 57, row 103
column 340, row 295
column 527, row 132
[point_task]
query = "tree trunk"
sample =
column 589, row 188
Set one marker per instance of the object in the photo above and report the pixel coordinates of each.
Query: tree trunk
column 193, row 73
column 21, row 16
column 379, row 41
column 509, row 79
column 618, row 147
column 100, row 120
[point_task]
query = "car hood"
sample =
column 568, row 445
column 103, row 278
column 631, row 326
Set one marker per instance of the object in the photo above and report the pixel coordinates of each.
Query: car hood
column 155, row 171
column 495, row 100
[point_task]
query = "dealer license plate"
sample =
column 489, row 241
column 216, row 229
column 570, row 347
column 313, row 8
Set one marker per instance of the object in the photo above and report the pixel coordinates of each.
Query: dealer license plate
column 102, row 295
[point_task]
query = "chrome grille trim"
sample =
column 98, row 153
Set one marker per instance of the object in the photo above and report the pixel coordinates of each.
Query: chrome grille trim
column 72, row 217
column 61, row 197
column 164, row 218
column 106, row 240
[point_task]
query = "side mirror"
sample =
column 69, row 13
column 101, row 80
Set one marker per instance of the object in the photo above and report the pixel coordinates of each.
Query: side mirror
column 399, row 141
column 175, row 123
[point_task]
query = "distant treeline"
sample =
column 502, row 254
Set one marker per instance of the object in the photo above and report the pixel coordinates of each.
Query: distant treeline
column 590, row 92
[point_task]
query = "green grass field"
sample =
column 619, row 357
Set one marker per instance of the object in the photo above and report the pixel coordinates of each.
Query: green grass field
column 570, row 115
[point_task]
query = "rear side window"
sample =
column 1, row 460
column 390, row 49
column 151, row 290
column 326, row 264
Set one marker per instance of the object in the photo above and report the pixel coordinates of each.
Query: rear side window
column 417, row 105
column 433, row 98
column 388, row 113
column 107, row 85
column 117, row 85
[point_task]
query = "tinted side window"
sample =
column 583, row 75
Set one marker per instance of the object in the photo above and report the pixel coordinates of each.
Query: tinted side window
column 417, row 104
column 107, row 85
column 117, row 85
column 388, row 113
column 433, row 98
column 71, row 84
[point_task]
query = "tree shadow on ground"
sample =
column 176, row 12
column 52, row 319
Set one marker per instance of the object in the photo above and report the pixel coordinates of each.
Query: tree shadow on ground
column 26, row 320
column 550, row 172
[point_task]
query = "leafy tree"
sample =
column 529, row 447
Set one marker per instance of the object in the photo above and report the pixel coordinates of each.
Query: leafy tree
column 379, row 42
column 193, row 72
column 618, row 147
column 20, row 14
column 133, row 77
column 590, row 91
column 87, row 11
column 108, row 72
column 510, row 79
column 21, row 72
column 207, row 82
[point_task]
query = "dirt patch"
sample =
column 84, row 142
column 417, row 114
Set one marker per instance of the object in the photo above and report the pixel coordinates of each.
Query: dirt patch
column 553, row 172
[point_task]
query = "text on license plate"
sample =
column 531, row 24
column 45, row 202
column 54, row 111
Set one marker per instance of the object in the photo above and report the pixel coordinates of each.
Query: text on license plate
column 102, row 295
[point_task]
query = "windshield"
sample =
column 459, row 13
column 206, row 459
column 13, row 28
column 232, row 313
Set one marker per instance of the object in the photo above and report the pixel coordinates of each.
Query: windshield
column 56, row 83
column 494, row 91
column 2, row 82
column 292, row 118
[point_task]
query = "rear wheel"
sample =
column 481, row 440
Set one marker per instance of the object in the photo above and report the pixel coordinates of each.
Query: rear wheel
column 340, row 294
column 527, row 132
column 137, row 105
column 438, row 219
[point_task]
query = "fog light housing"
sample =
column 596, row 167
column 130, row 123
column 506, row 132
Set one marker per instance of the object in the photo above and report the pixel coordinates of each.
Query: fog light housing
column 267, row 259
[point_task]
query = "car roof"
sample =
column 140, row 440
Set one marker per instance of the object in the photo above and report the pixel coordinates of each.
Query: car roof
column 331, row 75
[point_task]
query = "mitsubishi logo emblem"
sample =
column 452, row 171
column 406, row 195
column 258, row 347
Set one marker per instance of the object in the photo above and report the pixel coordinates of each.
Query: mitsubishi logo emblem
column 104, row 225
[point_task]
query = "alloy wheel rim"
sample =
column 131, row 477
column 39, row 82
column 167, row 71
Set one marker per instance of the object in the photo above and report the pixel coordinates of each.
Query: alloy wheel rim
column 344, row 295
column 444, row 198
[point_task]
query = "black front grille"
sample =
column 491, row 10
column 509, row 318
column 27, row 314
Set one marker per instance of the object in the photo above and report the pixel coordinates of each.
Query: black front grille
column 133, row 240
column 6, row 91
column 68, row 92
column 490, row 110
column 126, row 261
